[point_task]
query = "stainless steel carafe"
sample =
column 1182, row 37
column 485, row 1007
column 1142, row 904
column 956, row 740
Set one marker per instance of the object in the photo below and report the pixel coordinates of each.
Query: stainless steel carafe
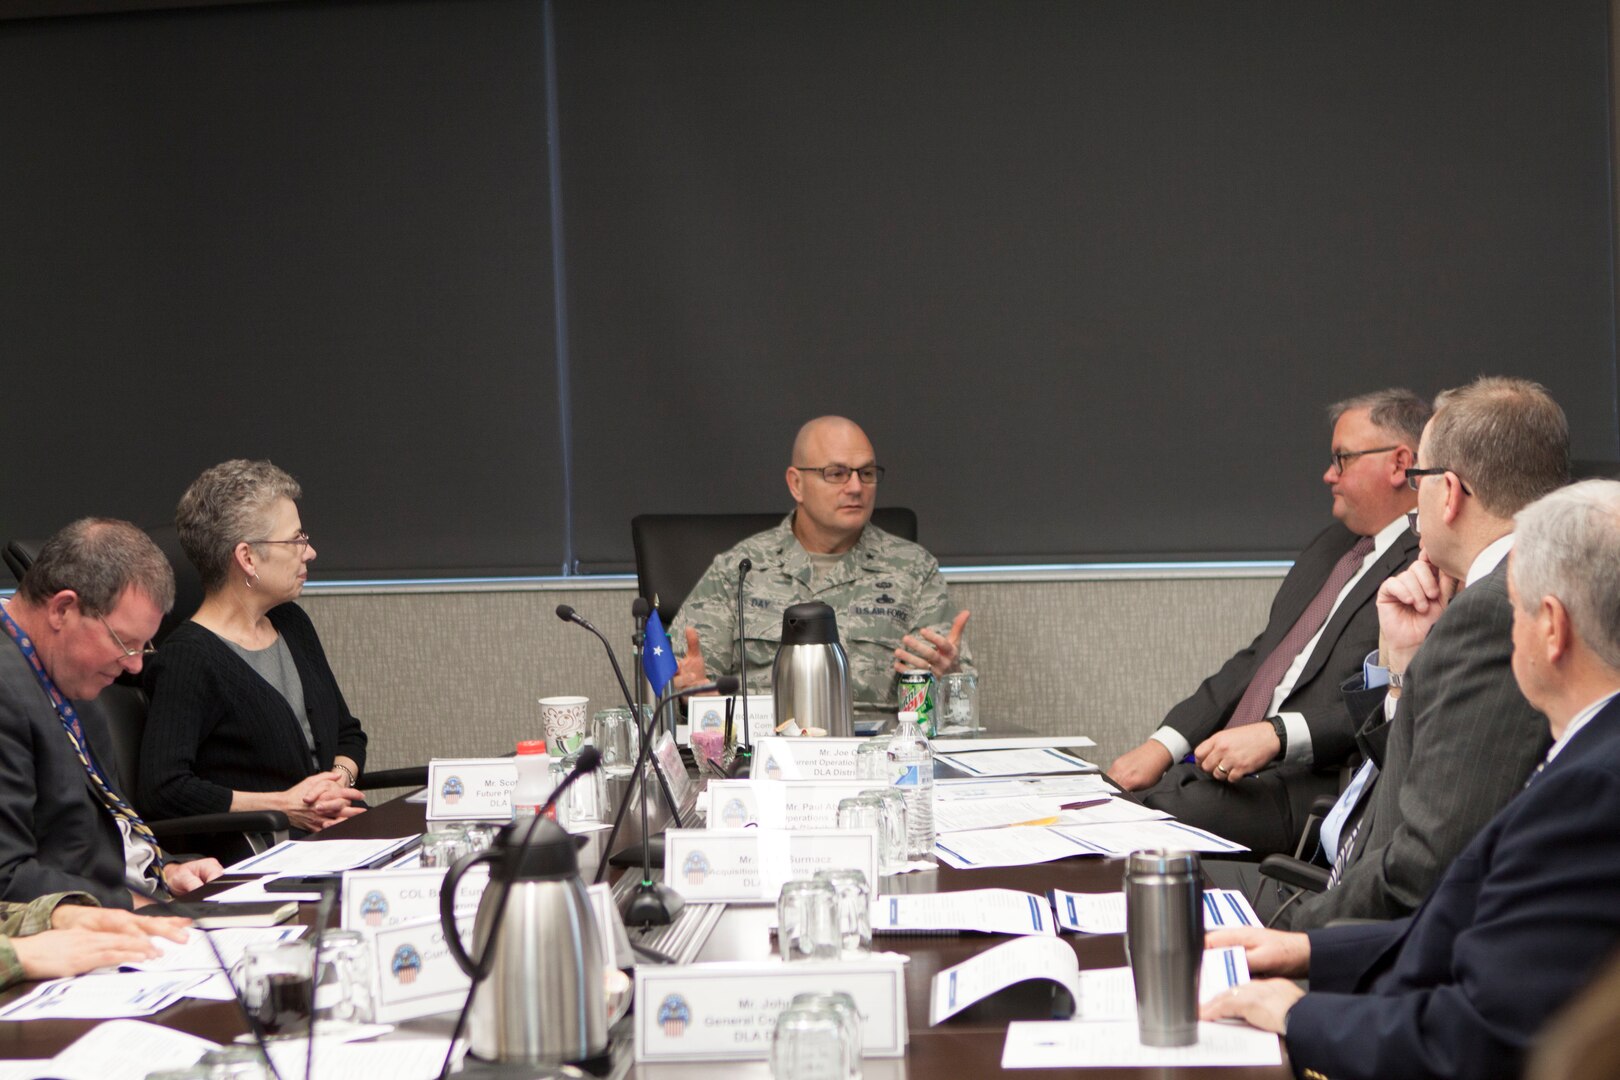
column 1164, row 943
column 810, row 678
column 541, row 1001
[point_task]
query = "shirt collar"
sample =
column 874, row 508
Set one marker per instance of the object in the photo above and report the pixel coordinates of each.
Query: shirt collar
column 1385, row 538
column 1582, row 718
column 1490, row 558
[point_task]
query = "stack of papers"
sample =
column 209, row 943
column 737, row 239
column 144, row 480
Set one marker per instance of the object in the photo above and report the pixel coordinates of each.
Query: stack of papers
column 1022, row 761
column 1104, row 913
column 1025, row 847
column 988, row 911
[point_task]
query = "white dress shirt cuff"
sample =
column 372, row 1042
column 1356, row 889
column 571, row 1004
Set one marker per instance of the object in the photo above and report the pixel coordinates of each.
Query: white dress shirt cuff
column 1299, row 750
column 1173, row 741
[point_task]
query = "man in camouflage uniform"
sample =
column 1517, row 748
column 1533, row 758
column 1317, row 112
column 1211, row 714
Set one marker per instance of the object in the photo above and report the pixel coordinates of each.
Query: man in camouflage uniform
column 893, row 610
column 67, row 934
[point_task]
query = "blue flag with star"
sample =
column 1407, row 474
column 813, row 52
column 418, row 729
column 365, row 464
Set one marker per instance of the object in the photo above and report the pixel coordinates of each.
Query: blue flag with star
column 657, row 658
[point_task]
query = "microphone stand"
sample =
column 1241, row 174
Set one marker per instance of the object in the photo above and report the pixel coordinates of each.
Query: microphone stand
column 653, row 903
column 742, row 750
column 646, row 734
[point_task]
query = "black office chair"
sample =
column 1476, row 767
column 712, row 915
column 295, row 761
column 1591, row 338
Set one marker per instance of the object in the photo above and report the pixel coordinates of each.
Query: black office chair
column 229, row 836
column 1303, row 871
column 674, row 550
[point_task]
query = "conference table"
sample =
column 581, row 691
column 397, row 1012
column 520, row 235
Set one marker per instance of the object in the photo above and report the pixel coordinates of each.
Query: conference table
column 967, row 1045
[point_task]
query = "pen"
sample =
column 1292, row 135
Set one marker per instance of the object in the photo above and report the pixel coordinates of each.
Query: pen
column 1036, row 821
column 1083, row 803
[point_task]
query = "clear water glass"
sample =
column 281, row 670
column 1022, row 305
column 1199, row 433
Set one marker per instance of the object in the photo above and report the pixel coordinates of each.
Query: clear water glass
column 614, row 732
column 893, row 856
column 854, row 895
column 807, row 920
column 844, row 1005
column 808, row 1044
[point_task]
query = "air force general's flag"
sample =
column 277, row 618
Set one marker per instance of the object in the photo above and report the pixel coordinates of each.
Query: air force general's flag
column 657, row 658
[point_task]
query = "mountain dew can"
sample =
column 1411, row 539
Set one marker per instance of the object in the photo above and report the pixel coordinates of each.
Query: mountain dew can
column 917, row 695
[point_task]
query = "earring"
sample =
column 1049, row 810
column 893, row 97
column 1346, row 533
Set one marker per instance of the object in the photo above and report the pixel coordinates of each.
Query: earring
column 250, row 579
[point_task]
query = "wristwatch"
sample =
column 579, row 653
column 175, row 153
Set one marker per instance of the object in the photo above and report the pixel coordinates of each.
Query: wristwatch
column 1282, row 735
column 1397, row 679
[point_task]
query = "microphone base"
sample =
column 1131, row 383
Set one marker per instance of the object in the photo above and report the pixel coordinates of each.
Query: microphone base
column 652, row 904
column 741, row 763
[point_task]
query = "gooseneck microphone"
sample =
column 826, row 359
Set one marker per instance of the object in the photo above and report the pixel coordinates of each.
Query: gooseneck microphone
column 653, row 903
column 639, row 610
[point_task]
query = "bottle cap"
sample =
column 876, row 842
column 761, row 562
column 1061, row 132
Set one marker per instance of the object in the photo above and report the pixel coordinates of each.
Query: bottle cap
column 531, row 746
column 907, row 716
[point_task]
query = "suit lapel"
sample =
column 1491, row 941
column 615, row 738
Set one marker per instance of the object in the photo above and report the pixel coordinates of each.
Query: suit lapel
column 1302, row 584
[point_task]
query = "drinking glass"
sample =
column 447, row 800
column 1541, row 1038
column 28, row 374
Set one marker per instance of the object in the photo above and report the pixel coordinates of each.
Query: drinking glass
column 807, row 920
column 274, row 979
column 344, row 992
column 808, row 1044
column 959, row 704
column 843, row 1004
column 614, row 733
column 442, row 847
column 867, row 811
column 854, row 897
column 872, row 759
column 893, row 855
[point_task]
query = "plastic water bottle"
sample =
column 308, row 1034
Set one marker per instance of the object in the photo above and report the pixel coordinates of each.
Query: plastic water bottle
column 911, row 762
column 533, row 779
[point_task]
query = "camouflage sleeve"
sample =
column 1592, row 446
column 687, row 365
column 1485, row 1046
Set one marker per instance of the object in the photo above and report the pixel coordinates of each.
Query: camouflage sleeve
column 935, row 610
column 20, row 920
column 710, row 609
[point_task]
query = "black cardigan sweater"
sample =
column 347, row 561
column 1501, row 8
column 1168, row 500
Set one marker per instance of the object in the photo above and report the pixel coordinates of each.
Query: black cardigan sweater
column 215, row 726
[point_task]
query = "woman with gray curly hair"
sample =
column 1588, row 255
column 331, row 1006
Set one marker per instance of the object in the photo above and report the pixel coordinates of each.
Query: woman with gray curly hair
column 246, row 714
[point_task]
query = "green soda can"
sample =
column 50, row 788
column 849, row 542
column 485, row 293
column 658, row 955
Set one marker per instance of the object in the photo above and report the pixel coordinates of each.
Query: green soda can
column 917, row 695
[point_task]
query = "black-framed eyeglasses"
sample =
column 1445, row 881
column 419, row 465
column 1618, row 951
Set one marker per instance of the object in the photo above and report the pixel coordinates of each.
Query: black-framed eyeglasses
column 129, row 653
column 1415, row 475
column 839, row 474
column 301, row 539
column 1342, row 456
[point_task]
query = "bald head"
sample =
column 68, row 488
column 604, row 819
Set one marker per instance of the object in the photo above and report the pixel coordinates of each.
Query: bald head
column 830, row 516
column 817, row 433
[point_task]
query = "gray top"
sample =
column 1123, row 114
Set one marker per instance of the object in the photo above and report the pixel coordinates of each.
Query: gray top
column 275, row 666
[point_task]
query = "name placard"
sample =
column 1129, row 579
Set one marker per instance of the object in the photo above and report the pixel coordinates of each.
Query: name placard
column 707, row 1012
column 669, row 759
column 750, row 865
column 415, row 973
column 781, row 804
column 374, row 899
column 471, row 789
column 804, row 758
column 708, row 713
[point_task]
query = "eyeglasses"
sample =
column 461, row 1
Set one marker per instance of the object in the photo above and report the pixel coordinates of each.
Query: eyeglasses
column 1342, row 456
column 129, row 653
column 839, row 474
column 301, row 539
column 1415, row 475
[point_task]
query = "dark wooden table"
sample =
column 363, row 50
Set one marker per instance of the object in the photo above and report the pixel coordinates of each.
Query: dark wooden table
column 967, row 1045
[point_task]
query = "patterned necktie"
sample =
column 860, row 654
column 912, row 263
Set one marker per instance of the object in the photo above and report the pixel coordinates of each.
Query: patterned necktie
column 1256, row 701
column 110, row 799
column 1343, row 859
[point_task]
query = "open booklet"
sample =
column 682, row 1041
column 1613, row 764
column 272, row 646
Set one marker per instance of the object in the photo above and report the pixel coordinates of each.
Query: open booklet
column 1106, row 994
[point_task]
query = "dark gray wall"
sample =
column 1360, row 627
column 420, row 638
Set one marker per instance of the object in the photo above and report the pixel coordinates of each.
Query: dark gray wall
column 1086, row 272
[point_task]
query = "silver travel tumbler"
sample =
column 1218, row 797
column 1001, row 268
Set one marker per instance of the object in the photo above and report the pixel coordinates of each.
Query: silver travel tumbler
column 1164, row 943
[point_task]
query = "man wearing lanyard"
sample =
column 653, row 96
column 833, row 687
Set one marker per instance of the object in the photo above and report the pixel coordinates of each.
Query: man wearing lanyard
column 84, row 613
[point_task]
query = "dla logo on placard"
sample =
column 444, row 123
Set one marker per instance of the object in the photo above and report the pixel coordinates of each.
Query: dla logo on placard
column 673, row 1016
column 406, row 965
column 696, row 868
column 373, row 908
column 710, row 721
column 735, row 815
column 453, row 789
column 772, row 769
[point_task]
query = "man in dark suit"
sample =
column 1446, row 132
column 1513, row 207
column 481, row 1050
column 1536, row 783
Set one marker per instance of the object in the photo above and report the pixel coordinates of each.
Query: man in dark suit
column 83, row 614
column 1527, row 912
column 1263, row 737
column 1453, row 742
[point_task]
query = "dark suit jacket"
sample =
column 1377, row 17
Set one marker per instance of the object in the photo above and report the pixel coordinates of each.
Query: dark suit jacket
column 1346, row 640
column 1516, row 926
column 1462, row 742
column 216, row 726
column 54, row 833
